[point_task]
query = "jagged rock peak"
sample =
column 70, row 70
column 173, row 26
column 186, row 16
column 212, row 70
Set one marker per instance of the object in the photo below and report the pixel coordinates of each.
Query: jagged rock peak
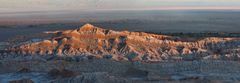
column 88, row 27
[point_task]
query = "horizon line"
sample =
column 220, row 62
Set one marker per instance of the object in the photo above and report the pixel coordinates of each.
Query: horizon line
column 132, row 9
column 180, row 8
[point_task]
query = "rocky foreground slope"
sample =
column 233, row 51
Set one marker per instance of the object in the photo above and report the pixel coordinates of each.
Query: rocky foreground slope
column 124, row 45
column 108, row 71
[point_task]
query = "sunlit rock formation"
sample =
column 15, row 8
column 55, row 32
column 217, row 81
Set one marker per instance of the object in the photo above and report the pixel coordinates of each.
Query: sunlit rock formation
column 124, row 45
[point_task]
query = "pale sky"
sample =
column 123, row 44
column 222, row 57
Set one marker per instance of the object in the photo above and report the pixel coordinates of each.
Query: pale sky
column 51, row 5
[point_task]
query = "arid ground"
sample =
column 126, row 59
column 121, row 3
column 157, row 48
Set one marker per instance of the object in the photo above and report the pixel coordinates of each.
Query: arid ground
column 131, row 47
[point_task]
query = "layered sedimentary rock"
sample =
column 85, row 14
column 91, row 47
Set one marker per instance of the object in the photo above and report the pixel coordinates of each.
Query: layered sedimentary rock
column 124, row 45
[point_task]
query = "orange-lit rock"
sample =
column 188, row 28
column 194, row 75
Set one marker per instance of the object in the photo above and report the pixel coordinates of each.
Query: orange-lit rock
column 98, row 41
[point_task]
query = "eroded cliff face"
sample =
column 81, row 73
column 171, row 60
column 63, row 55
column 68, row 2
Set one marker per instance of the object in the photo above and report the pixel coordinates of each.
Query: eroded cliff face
column 124, row 45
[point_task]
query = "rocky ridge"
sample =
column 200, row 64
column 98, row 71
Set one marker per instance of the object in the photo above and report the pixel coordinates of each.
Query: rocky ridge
column 124, row 45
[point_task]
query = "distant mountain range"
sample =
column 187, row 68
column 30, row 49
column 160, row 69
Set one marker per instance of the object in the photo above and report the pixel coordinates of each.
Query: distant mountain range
column 124, row 45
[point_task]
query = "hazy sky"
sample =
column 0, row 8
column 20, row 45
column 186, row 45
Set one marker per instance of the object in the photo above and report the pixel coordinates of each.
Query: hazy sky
column 49, row 5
